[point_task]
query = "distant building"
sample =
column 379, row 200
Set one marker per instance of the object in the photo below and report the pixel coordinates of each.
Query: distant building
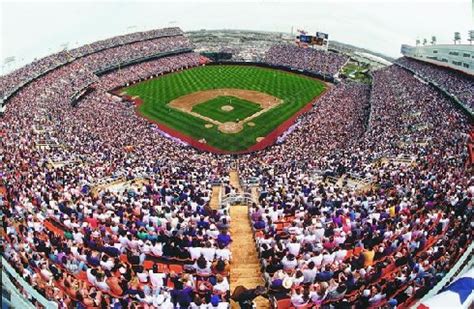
column 459, row 57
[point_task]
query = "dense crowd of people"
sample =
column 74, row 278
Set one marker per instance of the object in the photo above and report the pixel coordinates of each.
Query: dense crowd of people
column 163, row 246
column 317, row 61
column 456, row 83
column 149, row 69
column 125, row 53
column 12, row 81
column 99, row 209
column 323, row 242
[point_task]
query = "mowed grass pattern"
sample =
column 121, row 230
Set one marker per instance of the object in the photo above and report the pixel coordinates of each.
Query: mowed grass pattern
column 295, row 91
column 213, row 109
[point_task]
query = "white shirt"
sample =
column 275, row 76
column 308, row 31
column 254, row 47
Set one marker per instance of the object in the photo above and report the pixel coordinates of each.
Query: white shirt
column 209, row 253
column 78, row 237
column 102, row 285
column 109, row 264
column 225, row 254
column 294, row 248
column 142, row 277
column 90, row 277
column 222, row 286
column 156, row 278
column 195, row 252
column 317, row 260
column 157, row 249
column 327, row 259
column 340, row 255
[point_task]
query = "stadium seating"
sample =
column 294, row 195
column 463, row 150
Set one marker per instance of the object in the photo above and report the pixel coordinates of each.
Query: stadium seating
column 325, row 63
column 367, row 201
column 16, row 79
column 456, row 83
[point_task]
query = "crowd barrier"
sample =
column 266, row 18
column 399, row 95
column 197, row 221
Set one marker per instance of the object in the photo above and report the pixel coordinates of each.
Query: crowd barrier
column 12, row 297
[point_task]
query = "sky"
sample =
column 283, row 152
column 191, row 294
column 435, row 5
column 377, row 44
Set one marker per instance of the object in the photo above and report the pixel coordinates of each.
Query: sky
column 33, row 29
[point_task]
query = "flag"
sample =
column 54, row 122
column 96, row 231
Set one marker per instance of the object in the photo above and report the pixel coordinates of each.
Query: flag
column 459, row 294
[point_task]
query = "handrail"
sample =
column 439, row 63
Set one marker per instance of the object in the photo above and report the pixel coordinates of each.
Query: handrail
column 221, row 194
column 6, row 283
column 231, row 198
column 462, row 262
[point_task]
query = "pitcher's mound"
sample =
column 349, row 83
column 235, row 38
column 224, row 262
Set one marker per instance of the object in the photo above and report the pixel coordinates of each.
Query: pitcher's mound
column 227, row 108
column 230, row 127
column 251, row 124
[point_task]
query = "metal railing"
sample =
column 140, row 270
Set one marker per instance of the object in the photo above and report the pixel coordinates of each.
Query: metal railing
column 15, row 298
column 462, row 265
column 242, row 198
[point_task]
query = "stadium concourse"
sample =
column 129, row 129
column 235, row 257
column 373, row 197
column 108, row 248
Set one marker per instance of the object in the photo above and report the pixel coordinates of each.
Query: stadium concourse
column 365, row 202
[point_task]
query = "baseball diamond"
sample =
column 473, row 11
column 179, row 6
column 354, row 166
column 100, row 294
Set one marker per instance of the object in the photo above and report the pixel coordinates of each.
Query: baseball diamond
column 139, row 171
column 243, row 103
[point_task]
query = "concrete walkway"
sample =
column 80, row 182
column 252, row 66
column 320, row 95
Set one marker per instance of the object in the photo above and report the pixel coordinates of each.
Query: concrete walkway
column 245, row 266
column 234, row 180
column 215, row 197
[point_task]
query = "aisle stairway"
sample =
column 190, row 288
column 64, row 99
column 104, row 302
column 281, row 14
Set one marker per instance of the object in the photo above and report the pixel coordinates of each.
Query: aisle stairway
column 234, row 179
column 215, row 197
column 245, row 266
column 255, row 194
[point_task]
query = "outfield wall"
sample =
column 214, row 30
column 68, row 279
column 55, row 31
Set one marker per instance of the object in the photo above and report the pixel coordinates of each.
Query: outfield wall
column 324, row 77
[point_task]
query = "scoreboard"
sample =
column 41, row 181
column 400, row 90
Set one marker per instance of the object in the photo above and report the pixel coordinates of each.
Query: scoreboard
column 320, row 39
column 305, row 38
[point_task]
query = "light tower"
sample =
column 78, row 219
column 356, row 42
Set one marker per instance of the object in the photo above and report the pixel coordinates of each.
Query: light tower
column 457, row 37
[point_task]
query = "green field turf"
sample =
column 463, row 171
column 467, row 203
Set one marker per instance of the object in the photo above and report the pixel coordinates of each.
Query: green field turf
column 295, row 91
column 213, row 109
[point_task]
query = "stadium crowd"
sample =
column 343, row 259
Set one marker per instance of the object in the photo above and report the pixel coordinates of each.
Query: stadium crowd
column 12, row 81
column 309, row 59
column 149, row 69
column 456, row 83
column 125, row 53
column 326, row 242
column 182, row 256
column 102, row 210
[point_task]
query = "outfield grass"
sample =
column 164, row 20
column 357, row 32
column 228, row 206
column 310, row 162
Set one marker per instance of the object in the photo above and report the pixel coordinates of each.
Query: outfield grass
column 357, row 72
column 213, row 109
column 295, row 91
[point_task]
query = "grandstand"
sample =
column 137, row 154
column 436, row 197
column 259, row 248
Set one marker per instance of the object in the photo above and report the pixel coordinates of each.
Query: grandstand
column 364, row 200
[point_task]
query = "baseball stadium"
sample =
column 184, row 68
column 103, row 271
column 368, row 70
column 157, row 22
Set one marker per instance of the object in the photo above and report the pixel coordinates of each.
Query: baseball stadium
column 169, row 167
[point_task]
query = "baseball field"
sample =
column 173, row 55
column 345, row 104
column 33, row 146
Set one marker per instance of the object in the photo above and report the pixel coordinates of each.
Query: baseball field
column 228, row 107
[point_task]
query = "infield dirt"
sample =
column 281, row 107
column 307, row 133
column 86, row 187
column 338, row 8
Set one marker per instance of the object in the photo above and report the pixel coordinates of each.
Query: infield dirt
column 185, row 104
